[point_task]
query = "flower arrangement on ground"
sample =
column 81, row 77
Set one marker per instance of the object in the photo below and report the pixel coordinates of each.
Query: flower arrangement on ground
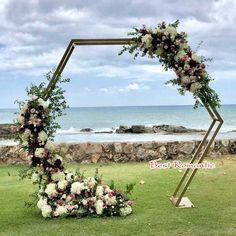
column 62, row 193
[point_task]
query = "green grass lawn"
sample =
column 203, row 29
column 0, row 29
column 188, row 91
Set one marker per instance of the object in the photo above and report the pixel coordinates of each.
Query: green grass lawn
column 213, row 192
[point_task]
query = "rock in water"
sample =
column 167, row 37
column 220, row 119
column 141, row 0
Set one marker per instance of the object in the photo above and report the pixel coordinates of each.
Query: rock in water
column 123, row 129
column 86, row 130
column 138, row 129
column 162, row 129
column 172, row 129
column 7, row 131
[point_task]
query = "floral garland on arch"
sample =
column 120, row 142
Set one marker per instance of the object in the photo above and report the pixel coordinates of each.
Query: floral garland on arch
column 171, row 47
column 61, row 192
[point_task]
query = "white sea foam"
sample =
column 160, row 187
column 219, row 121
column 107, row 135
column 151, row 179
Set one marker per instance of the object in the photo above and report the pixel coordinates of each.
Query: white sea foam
column 74, row 131
column 69, row 131
column 8, row 142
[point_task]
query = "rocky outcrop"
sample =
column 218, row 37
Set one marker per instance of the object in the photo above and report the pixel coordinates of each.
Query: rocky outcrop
column 86, row 130
column 123, row 151
column 162, row 129
column 172, row 129
column 7, row 131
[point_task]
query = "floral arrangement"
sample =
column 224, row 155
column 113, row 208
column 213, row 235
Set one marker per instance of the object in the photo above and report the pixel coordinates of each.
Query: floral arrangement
column 171, row 47
column 62, row 193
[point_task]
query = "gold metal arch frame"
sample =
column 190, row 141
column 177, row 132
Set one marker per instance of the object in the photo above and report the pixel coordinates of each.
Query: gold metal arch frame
column 177, row 198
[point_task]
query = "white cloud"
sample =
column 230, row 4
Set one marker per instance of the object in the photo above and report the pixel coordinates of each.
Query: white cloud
column 36, row 33
column 136, row 86
column 104, row 90
column 133, row 86
column 87, row 89
column 128, row 88
column 45, row 27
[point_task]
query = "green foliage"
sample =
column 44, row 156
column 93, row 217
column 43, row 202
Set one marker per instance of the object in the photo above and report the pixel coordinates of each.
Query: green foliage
column 129, row 188
column 112, row 184
column 25, row 173
column 32, row 203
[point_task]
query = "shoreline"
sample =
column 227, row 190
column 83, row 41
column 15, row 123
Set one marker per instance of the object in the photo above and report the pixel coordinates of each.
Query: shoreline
column 133, row 133
column 116, row 137
column 106, row 152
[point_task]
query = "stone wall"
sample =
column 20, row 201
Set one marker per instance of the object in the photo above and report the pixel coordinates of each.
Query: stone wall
column 123, row 151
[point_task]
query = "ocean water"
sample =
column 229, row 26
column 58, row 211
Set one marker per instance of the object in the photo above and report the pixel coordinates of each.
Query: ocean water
column 109, row 118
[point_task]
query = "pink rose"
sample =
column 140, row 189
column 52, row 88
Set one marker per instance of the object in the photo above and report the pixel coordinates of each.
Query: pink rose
column 184, row 58
column 185, row 80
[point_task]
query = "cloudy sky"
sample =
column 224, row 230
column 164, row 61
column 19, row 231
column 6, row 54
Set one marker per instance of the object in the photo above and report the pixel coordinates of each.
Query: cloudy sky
column 35, row 33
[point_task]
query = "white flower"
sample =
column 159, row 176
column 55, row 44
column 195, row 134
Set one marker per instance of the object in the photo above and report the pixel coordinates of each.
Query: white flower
column 186, row 66
column 195, row 86
column 58, row 176
column 99, row 191
column 60, row 210
column 42, row 136
column 46, row 210
column 62, row 184
column 159, row 51
column 41, row 202
column 124, row 211
column 20, row 118
column 39, row 152
column 51, row 190
column 25, row 136
column 77, row 187
column 185, row 80
column 84, row 202
column 193, row 78
column 172, row 31
column 92, row 199
column 50, row 146
column 99, row 207
column 70, row 176
column 42, row 103
column 91, row 182
column 195, row 57
column 147, row 40
column 24, row 108
column 110, row 200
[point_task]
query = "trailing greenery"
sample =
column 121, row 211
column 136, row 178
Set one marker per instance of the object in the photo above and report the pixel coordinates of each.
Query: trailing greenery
column 56, row 99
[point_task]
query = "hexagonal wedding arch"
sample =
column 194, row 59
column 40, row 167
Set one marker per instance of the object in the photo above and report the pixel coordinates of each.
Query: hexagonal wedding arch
column 177, row 198
column 64, row 193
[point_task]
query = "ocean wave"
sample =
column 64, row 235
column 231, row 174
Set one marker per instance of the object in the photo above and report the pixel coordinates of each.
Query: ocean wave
column 8, row 142
column 74, row 131
column 71, row 130
column 77, row 131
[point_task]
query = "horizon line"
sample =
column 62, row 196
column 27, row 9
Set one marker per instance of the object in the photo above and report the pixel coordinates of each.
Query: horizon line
column 105, row 106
